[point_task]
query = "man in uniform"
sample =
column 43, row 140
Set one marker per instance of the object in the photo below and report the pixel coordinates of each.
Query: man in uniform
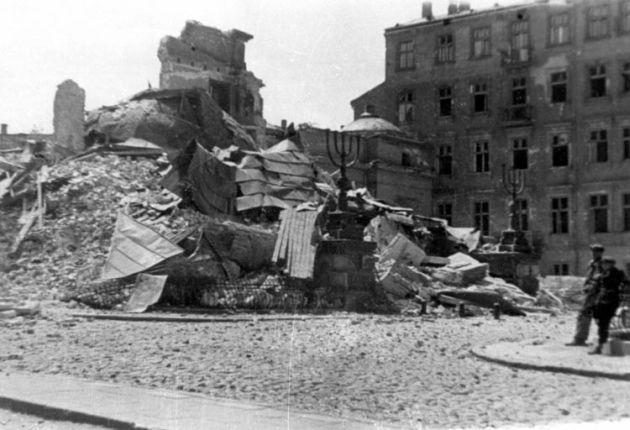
column 606, row 299
column 586, row 312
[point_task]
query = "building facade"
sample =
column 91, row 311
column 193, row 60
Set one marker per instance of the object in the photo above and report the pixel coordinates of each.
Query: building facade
column 542, row 88
column 208, row 58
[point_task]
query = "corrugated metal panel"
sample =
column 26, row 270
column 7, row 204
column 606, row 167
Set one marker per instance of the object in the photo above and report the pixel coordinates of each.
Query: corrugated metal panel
column 295, row 245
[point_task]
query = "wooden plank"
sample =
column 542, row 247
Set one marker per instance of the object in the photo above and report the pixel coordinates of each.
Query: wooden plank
column 292, row 242
column 312, row 247
column 284, row 249
column 306, row 245
column 301, row 245
column 296, row 241
column 278, row 245
column 29, row 221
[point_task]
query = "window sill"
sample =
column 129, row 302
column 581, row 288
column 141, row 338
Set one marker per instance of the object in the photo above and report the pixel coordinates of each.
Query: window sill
column 558, row 45
column 596, row 38
column 560, row 167
column 480, row 58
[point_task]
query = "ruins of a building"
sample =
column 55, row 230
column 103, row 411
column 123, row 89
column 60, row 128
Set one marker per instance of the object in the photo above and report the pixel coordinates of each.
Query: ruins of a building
column 208, row 58
column 69, row 114
column 541, row 87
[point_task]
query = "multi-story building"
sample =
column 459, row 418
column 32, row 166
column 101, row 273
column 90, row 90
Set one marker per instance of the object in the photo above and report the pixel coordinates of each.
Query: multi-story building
column 543, row 88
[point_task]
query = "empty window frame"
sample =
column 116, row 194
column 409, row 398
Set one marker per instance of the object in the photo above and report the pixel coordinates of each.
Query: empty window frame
column 445, row 211
column 559, row 29
column 625, row 204
column 625, row 141
column 625, row 77
column 406, row 107
column 561, row 269
column 445, row 95
column 519, row 153
column 521, row 210
column 445, row 160
column 598, row 22
column 406, row 58
column 445, row 52
column 559, row 87
column 405, row 160
column 481, row 42
column 597, row 80
column 559, row 215
column 482, row 156
column 599, row 213
column 480, row 97
column 519, row 40
column 481, row 217
column 559, row 149
column 519, row 91
column 599, row 142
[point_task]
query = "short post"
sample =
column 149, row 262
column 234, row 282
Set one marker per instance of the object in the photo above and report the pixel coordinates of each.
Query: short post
column 496, row 310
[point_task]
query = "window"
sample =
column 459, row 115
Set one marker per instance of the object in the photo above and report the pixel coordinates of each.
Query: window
column 625, row 77
column 560, row 215
column 559, row 29
column 625, row 16
column 445, row 211
column 405, row 159
column 559, row 87
column 482, row 157
column 598, row 22
column 561, row 269
column 597, row 76
column 521, row 222
column 445, row 165
column 406, row 60
column 520, row 40
column 405, row 107
column 519, row 91
column 560, row 149
column 599, row 213
column 481, row 42
column 445, row 49
column 482, row 217
column 480, row 98
column 519, row 153
column 625, row 140
column 599, row 140
column 446, row 101
column 625, row 200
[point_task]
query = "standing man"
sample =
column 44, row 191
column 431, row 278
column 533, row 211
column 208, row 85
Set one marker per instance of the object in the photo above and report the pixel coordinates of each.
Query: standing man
column 586, row 312
column 606, row 300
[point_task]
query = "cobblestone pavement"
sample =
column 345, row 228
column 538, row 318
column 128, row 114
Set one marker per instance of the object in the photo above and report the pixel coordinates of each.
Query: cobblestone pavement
column 407, row 370
column 10, row 420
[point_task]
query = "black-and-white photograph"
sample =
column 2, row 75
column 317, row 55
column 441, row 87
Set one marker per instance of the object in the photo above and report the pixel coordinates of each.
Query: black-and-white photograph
column 314, row 214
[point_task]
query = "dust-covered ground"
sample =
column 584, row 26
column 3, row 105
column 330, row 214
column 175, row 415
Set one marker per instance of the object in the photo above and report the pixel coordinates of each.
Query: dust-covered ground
column 392, row 368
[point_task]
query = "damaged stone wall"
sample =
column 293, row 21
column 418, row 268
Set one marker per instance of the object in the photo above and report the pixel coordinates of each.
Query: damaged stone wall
column 69, row 114
column 208, row 58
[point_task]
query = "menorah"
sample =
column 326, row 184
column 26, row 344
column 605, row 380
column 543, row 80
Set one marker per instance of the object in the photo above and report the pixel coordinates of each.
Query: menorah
column 514, row 184
column 345, row 147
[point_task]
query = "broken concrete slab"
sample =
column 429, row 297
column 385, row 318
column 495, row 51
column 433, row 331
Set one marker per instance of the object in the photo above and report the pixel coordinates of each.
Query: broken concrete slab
column 69, row 105
column 403, row 251
column 461, row 270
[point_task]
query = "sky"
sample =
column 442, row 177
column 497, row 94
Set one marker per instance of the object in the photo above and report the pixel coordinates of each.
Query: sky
column 314, row 56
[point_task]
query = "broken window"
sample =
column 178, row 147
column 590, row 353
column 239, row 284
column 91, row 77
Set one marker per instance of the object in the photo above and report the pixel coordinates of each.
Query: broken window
column 597, row 76
column 446, row 101
column 625, row 200
column 522, row 215
column 481, row 42
column 445, row 160
column 625, row 77
column 480, row 98
column 559, row 29
column 445, row 211
column 406, row 159
column 559, row 87
column 445, row 52
column 520, row 40
column 625, row 139
column 560, row 215
column 625, row 16
column 560, row 149
column 598, row 22
column 406, row 107
column 561, row 269
column 482, row 157
column 519, row 153
column 406, row 59
column 599, row 141
column 599, row 213
column 481, row 217
column 519, row 91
